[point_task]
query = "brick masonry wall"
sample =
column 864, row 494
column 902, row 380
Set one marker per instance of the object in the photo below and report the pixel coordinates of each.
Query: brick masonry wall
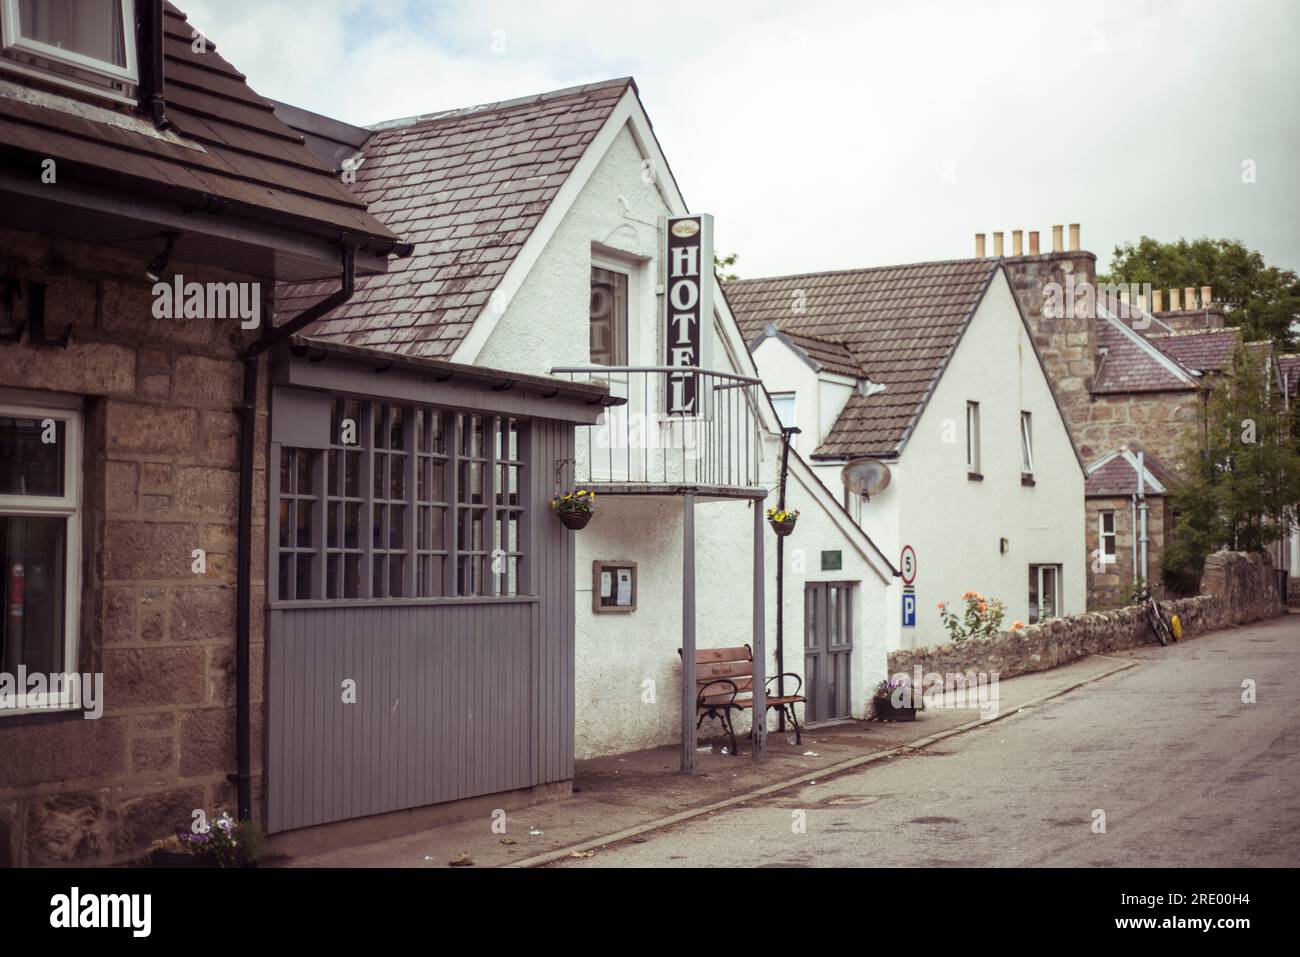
column 161, row 479
column 1237, row 588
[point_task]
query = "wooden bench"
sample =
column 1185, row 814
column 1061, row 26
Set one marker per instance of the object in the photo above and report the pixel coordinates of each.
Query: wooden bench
column 724, row 682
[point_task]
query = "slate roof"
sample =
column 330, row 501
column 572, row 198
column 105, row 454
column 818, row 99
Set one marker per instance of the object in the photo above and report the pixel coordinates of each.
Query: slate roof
column 899, row 323
column 820, row 354
column 1115, row 474
column 466, row 187
column 227, row 144
column 1205, row 350
column 1133, row 363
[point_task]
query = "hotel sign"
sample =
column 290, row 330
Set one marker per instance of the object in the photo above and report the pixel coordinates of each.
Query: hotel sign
column 688, row 306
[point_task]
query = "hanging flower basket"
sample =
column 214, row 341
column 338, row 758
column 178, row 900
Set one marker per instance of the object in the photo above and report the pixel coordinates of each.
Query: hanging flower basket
column 782, row 521
column 575, row 508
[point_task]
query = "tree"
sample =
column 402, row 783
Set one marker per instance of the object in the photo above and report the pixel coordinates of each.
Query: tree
column 1263, row 300
column 721, row 265
column 1243, row 474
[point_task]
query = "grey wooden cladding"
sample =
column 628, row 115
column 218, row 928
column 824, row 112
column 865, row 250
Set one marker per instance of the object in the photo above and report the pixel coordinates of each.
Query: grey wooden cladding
column 453, row 699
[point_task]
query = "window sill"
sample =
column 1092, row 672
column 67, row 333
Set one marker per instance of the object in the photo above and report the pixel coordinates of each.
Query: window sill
column 328, row 603
column 975, row 476
column 1027, row 480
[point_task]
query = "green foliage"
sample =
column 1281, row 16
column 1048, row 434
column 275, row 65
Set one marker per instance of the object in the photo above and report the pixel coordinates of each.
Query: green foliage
column 981, row 619
column 722, row 266
column 1243, row 473
column 1263, row 300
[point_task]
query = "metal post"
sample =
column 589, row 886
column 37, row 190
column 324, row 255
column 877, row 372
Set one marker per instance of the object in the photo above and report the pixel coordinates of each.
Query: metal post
column 688, row 633
column 759, row 648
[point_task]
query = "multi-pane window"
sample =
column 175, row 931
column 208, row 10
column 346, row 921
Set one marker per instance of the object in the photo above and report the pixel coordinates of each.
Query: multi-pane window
column 1026, row 443
column 1044, row 592
column 81, row 43
column 40, row 522
column 784, row 404
column 417, row 502
column 1106, row 536
column 973, row 438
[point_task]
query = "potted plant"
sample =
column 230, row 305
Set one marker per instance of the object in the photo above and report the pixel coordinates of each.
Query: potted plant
column 782, row 520
column 575, row 508
column 895, row 700
column 225, row 843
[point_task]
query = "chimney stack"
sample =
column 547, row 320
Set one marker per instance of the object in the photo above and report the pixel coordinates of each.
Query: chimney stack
column 1058, row 239
column 1017, row 242
column 1033, row 242
column 1189, row 297
column 1206, row 297
column 979, row 245
column 1074, row 237
column 1157, row 300
column 997, row 244
column 1174, row 305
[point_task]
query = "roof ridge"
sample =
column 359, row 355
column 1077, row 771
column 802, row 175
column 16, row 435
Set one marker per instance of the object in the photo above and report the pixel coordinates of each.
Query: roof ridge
column 406, row 122
column 1175, row 333
column 991, row 260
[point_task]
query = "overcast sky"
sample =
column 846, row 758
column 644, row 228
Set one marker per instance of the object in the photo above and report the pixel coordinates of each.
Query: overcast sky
column 828, row 135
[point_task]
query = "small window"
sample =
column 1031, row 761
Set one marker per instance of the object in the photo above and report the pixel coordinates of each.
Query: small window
column 609, row 321
column 1044, row 592
column 784, row 403
column 1106, row 537
column 40, row 524
column 87, row 44
column 973, row 438
column 1026, row 444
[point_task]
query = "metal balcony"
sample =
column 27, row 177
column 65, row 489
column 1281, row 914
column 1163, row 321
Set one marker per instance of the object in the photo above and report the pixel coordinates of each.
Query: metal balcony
column 714, row 447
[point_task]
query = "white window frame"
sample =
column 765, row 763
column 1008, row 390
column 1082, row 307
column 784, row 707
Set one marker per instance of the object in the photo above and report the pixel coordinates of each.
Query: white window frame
column 14, row 40
column 794, row 408
column 1026, row 443
column 67, row 506
column 1036, row 612
column 1107, row 558
column 972, row 437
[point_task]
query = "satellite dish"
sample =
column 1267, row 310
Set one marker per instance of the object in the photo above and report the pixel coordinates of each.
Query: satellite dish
column 865, row 477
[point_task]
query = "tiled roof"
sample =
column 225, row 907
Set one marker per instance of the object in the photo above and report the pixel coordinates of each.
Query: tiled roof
column 901, row 323
column 1115, row 474
column 1206, row 350
column 1132, row 363
column 818, row 352
column 228, row 143
column 467, row 188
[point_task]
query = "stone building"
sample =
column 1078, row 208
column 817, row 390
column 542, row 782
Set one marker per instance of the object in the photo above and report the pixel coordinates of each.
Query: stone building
column 121, row 421
column 1132, row 376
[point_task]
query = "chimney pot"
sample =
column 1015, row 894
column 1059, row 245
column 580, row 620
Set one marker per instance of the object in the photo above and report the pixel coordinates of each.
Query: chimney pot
column 1017, row 242
column 1058, row 239
column 997, row 244
column 1074, row 237
column 1174, row 304
column 1033, row 242
column 1189, row 297
column 1206, row 297
column 1157, row 300
column 979, row 245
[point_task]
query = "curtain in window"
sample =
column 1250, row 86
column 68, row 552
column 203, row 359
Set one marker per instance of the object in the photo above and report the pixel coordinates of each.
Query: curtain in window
column 92, row 28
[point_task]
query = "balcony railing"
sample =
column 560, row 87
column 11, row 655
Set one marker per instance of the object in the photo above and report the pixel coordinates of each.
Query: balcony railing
column 717, row 442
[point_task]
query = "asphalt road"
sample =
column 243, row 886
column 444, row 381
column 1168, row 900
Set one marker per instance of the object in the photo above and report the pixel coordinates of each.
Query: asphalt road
column 1184, row 772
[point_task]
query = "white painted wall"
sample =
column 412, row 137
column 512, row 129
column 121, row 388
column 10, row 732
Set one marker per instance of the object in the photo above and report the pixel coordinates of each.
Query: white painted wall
column 628, row 676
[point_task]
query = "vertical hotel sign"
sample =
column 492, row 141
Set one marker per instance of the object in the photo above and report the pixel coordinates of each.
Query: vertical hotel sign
column 688, row 306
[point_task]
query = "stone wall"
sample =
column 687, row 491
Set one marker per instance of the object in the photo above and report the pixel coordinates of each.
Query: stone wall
column 161, row 479
column 1236, row 593
column 1110, row 586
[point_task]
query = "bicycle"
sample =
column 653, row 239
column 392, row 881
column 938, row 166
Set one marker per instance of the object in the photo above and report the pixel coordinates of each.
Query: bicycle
column 1156, row 619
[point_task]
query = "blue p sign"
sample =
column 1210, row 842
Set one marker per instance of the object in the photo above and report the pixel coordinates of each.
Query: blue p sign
column 909, row 610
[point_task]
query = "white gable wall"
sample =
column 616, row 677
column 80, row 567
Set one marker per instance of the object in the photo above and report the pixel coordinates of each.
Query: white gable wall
column 627, row 671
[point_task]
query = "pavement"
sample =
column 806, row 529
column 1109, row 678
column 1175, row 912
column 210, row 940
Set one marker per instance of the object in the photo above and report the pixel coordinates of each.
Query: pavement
column 1162, row 764
column 631, row 808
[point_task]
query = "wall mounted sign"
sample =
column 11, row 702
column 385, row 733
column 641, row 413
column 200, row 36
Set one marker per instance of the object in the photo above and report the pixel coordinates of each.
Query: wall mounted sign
column 909, row 609
column 832, row 561
column 613, row 586
column 907, row 564
column 688, row 306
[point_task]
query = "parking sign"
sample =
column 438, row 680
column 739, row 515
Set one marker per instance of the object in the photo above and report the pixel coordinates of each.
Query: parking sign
column 909, row 609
